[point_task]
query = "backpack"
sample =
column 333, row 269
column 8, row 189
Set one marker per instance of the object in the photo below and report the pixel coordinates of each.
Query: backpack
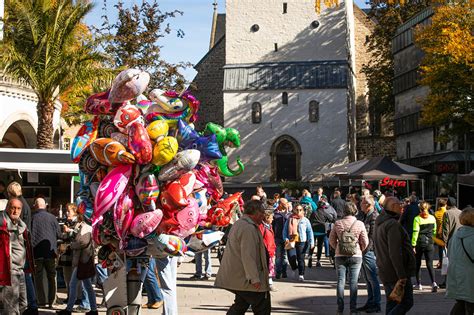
column 348, row 242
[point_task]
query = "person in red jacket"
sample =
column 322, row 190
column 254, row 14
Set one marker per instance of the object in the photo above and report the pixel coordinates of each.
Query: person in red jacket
column 15, row 254
column 270, row 246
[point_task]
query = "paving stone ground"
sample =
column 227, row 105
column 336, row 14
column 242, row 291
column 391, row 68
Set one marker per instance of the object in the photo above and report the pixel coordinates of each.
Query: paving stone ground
column 317, row 295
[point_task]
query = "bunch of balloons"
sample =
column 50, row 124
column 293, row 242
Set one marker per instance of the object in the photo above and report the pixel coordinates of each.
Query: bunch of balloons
column 149, row 180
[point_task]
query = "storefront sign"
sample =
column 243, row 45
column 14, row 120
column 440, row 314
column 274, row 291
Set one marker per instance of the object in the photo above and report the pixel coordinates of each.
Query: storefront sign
column 446, row 168
column 387, row 181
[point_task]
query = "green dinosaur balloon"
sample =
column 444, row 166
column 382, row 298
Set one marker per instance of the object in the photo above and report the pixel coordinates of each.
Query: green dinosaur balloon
column 229, row 137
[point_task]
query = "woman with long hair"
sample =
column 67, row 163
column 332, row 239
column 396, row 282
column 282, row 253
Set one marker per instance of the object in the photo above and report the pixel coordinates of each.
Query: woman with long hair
column 298, row 235
column 424, row 229
column 82, row 251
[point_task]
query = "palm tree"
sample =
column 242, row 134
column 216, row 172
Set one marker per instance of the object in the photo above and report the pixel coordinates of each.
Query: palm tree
column 46, row 44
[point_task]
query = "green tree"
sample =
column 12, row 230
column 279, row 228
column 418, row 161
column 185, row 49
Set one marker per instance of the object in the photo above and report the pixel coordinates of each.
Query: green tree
column 44, row 44
column 380, row 69
column 133, row 41
column 447, row 69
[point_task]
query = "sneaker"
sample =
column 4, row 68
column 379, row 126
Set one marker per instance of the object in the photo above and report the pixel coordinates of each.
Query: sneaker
column 418, row 287
column 195, row 277
column 155, row 305
column 434, row 287
column 80, row 309
column 301, row 278
column 318, row 264
column 206, row 277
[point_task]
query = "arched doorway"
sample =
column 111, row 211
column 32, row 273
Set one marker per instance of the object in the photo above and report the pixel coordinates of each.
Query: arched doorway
column 20, row 134
column 286, row 159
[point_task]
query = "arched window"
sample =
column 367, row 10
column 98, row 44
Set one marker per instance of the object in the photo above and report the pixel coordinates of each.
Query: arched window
column 284, row 98
column 286, row 159
column 256, row 113
column 313, row 111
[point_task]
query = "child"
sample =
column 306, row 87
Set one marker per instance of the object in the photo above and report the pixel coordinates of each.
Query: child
column 269, row 241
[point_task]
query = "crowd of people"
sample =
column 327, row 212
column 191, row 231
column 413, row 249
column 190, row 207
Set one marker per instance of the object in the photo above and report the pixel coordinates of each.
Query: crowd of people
column 377, row 235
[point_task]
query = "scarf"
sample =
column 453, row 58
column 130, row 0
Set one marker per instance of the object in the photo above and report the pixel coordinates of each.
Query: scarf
column 293, row 225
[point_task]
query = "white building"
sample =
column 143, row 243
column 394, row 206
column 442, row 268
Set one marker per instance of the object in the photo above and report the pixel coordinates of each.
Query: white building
column 19, row 122
column 291, row 85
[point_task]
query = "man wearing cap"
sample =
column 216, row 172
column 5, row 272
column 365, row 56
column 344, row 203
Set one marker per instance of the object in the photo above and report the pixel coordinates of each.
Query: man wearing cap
column 395, row 258
column 15, row 251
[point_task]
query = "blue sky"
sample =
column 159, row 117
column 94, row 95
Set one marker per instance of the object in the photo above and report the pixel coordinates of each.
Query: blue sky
column 195, row 22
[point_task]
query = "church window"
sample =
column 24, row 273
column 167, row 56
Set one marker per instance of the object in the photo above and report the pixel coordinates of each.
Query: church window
column 255, row 28
column 285, row 7
column 284, row 98
column 313, row 111
column 256, row 113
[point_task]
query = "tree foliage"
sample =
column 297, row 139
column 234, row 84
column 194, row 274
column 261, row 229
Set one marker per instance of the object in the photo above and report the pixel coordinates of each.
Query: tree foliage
column 133, row 41
column 380, row 69
column 44, row 44
column 448, row 69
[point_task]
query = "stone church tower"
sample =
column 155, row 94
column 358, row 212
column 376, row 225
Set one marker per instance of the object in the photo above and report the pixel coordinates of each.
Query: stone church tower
column 289, row 80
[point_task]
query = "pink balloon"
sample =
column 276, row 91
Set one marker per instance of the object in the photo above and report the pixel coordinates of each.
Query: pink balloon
column 123, row 213
column 145, row 223
column 110, row 189
column 187, row 219
column 139, row 143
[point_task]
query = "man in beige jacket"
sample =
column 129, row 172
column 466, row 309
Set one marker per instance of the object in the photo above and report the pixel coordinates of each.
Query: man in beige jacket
column 244, row 266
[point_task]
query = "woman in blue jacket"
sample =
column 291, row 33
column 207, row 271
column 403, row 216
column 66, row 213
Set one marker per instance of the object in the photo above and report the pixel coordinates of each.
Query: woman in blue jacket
column 298, row 235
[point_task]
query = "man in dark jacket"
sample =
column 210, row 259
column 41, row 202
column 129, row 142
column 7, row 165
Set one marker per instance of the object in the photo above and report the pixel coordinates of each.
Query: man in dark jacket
column 408, row 216
column 45, row 233
column 279, row 219
column 369, row 266
column 395, row 258
column 14, row 191
column 338, row 204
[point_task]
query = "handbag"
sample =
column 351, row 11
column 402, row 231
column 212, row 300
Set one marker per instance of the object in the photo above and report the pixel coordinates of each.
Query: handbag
column 444, row 264
column 398, row 292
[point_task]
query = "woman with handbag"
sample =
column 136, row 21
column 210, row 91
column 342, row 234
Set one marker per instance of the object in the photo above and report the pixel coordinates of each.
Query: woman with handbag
column 298, row 235
column 424, row 229
column 83, row 266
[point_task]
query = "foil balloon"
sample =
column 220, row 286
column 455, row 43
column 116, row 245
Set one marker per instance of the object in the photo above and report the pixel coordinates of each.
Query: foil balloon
column 143, row 105
column 145, row 223
column 88, row 164
column 110, row 189
column 125, row 116
column 120, row 137
column 167, row 104
column 123, row 214
column 106, row 128
column 209, row 176
column 84, row 137
column 201, row 198
column 164, row 151
column 109, row 152
column 157, row 130
column 84, row 206
column 220, row 215
column 98, row 104
column 202, row 241
column 147, row 191
column 182, row 163
column 188, row 181
column 173, row 245
column 173, row 197
column 187, row 219
column 225, row 137
column 190, row 139
column 128, row 85
column 139, row 143
column 96, row 222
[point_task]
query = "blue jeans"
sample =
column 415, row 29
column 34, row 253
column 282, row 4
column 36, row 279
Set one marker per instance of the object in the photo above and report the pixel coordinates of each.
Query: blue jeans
column 392, row 307
column 352, row 264
column 101, row 274
column 30, row 291
column 167, row 271
column 151, row 284
column 281, row 260
column 73, row 291
column 208, row 266
column 369, row 268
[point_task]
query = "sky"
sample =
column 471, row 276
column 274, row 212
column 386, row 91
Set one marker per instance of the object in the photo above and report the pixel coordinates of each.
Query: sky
column 195, row 22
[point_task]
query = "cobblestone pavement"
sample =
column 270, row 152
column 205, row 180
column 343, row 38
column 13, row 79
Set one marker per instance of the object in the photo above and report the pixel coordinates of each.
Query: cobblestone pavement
column 317, row 295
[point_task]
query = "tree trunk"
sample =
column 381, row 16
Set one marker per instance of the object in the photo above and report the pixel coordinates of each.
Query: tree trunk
column 44, row 137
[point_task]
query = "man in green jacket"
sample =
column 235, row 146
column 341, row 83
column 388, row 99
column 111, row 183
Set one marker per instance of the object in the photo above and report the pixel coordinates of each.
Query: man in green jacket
column 244, row 266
